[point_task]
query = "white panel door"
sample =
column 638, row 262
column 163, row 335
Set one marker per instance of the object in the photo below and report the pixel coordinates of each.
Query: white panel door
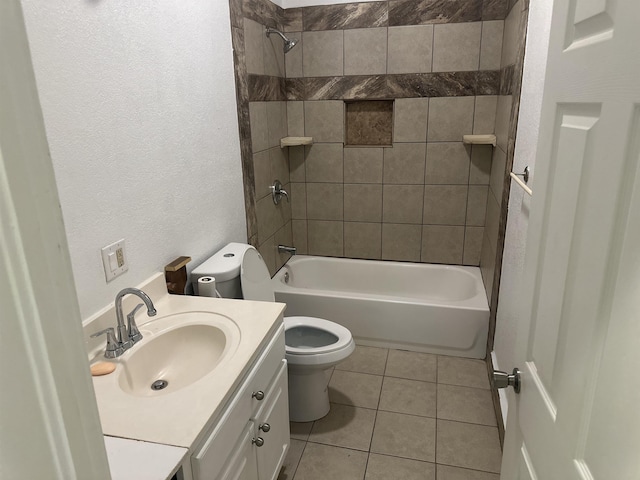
column 579, row 337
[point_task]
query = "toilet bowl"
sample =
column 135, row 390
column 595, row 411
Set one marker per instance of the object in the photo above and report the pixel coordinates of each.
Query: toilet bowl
column 313, row 345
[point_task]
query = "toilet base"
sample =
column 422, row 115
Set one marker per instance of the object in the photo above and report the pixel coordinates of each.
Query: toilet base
column 308, row 394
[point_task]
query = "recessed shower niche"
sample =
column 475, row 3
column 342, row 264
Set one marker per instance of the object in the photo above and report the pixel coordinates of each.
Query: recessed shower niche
column 369, row 123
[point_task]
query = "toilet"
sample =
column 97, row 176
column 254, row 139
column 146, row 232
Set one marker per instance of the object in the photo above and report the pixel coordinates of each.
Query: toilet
column 313, row 345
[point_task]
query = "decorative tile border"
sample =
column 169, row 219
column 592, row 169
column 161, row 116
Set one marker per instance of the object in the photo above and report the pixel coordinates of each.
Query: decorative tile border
column 348, row 15
column 264, row 88
column 449, row 84
column 421, row 12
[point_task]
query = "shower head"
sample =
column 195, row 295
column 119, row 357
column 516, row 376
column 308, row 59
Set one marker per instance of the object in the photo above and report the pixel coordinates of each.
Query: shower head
column 288, row 43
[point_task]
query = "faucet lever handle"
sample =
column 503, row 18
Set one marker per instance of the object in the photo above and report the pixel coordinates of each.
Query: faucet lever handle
column 134, row 334
column 112, row 349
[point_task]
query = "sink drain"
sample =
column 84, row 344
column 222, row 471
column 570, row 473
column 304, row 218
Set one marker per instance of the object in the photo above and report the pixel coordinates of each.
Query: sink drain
column 159, row 385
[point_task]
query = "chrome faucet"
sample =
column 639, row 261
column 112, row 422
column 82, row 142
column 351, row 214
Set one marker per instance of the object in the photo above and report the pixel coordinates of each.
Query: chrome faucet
column 126, row 335
column 287, row 249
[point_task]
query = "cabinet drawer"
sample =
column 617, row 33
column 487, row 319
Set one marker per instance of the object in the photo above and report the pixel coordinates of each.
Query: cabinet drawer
column 213, row 453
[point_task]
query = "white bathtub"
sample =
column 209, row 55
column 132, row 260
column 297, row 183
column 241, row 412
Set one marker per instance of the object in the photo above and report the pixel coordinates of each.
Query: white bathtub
column 421, row 307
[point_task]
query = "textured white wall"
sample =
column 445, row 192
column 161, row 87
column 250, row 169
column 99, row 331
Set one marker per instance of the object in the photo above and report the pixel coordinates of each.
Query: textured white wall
column 509, row 310
column 139, row 107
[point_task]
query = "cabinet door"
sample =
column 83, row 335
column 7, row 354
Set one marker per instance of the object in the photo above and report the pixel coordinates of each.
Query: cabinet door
column 242, row 464
column 275, row 413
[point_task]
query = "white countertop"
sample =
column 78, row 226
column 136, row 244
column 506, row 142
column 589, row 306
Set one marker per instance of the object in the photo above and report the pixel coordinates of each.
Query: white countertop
column 136, row 460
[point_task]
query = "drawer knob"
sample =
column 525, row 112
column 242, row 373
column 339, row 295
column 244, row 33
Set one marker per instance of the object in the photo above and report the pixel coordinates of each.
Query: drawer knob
column 259, row 395
column 265, row 427
column 258, row 442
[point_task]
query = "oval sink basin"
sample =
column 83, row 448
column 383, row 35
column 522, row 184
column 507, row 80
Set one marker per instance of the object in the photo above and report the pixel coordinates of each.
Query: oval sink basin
column 170, row 360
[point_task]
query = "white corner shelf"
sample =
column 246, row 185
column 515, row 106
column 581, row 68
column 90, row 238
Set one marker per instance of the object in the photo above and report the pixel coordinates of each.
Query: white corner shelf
column 295, row 141
column 479, row 139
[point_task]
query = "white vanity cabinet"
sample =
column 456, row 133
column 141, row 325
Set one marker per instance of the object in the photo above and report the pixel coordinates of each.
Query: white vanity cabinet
column 250, row 439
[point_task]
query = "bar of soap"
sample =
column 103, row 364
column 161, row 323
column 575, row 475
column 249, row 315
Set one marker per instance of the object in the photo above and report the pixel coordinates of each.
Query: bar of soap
column 102, row 368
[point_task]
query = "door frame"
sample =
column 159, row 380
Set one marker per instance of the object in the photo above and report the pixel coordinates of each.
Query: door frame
column 51, row 414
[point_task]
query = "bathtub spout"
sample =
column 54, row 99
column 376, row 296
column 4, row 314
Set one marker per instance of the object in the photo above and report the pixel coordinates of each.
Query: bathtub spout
column 286, row 249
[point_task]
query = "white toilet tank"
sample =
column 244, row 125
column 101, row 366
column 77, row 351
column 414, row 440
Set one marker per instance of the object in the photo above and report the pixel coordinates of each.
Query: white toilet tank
column 224, row 266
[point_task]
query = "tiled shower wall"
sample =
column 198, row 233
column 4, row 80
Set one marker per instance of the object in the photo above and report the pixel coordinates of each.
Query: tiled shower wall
column 423, row 198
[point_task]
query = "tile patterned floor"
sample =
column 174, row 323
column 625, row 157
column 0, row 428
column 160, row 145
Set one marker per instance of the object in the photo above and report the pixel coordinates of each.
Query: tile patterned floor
column 400, row 415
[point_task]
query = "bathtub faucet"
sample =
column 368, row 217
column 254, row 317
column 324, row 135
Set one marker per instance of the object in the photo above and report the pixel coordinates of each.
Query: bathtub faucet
column 286, row 249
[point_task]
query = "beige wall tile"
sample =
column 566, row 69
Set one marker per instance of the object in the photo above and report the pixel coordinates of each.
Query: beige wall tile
column 279, row 160
column 325, row 238
column 363, row 165
column 473, row 237
column 447, row 163
column 293, row 58
column 262, row 173
column 298, row 199
column 477, row 205
column 295, row 119
column 401, row 242
column 299, row 233
column 273, row 55
column 480, row 171
column 491, row 48
column 469, row 446
column 402, row 203
column 450, row 118
column 365, row 51
column 325, row 201
column 362, row 240
column 498, row 167
column 410, row 49
column 484, row 118
column 259, row 129
column 445, row 204
column 416, row 442
column 297, row 164
column 410, row 119
column 267, row 249
column 456, row 47
column 324, row 120
column 492, row 221
column 267, row 218
column 253, row 46
column 322, row 53
column 487, row 264
column 404, row 163
column 284, row 236
column 442, row 244
column 320, row 462
column 276, row 122
column 324, row 162
column 362, row 202
column 503, row 116
column 511, row 37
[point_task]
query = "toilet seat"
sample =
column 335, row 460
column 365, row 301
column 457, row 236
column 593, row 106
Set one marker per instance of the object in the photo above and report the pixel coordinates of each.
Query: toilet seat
column 256, row 285
column 341, row 334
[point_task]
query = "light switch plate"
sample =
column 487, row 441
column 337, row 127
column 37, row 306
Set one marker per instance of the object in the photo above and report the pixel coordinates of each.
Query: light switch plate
column 114, row 260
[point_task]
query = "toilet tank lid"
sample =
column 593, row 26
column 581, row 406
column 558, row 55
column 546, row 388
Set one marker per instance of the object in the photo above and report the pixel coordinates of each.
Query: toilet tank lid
column 224, row 264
